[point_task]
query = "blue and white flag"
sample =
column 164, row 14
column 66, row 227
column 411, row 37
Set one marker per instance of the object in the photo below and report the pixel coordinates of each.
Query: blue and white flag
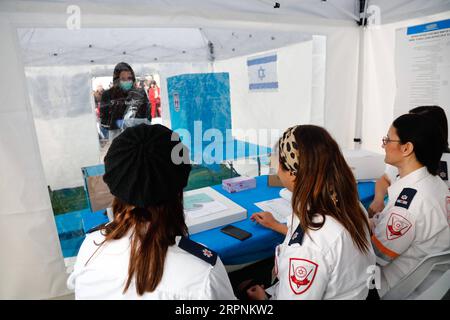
column 262, row 73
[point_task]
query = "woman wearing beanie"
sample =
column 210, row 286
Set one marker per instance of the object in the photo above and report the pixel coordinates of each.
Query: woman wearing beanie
column 144, row 253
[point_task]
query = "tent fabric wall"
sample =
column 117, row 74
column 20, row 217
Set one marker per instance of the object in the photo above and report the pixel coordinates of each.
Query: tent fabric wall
column 380, row 80
column 62, row 107
column 31, row 262
column 30, row 257
column 301, row 64
column 41, row 247
column 276, row 110
column 319, row 60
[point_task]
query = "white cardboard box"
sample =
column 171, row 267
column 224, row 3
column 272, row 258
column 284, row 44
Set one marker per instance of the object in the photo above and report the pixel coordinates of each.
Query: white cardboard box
column 365, row 165
column 223, row 211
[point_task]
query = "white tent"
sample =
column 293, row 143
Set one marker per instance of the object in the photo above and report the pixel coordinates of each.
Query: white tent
column 45, row 45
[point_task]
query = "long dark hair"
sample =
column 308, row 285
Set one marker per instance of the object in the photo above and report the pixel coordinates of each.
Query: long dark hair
column 325, row 185
column 116, row 92
column 437, row 114
column 425, row 136
column 154, row 230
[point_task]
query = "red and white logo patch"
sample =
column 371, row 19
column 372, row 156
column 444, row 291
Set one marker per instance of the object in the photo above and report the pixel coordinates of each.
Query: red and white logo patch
column 301, row 274
column 207, row 253
column 397, row 226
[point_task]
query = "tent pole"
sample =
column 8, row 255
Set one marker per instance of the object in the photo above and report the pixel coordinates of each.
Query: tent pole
column 359, row 99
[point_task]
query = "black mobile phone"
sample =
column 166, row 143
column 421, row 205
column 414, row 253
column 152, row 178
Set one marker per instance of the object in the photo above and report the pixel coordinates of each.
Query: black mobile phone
column 236, row 232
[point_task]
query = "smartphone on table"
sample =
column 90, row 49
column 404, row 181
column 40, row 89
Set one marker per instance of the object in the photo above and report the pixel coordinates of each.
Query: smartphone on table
column 236, row 232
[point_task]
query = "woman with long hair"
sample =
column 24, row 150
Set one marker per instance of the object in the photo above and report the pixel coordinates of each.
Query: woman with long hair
column 124, row 104
column 145, row 252
column 327, row 249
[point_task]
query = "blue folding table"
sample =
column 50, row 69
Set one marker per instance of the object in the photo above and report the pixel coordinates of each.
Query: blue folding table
column 263, row 241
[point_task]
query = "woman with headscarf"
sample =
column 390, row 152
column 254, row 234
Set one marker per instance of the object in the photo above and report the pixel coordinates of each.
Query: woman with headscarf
column 327, row 251
column 145, row 252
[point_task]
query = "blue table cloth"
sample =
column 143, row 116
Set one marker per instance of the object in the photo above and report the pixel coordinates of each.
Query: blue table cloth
column 263, row 241
column 73, row 226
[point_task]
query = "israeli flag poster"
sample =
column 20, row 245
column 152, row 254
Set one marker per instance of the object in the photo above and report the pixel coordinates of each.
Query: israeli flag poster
column 262, row 73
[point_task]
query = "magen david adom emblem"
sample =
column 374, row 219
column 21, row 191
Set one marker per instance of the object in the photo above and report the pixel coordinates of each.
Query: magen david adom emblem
column 301, row 274
column 397, row 226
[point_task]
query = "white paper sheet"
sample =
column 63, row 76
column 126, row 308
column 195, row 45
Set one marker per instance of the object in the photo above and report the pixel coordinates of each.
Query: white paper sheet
column 280, row 208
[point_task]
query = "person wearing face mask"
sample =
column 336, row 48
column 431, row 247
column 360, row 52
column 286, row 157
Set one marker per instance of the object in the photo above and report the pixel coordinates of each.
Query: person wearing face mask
column 123, row 105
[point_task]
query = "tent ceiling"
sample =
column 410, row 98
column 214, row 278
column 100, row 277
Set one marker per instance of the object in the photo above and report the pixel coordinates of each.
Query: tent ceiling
column 170, row 40
column 289, row 10
column 398, row 10
column 58, row 46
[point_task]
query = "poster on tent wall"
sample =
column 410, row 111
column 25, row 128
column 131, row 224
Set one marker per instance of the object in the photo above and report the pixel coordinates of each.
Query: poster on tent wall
column 422, row 62
column 262, row 73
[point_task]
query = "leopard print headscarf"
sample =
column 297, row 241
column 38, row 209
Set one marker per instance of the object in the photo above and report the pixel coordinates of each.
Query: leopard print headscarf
column 289, row 150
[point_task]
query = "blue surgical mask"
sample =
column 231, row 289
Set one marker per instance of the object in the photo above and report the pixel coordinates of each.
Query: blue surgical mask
column 126, row 85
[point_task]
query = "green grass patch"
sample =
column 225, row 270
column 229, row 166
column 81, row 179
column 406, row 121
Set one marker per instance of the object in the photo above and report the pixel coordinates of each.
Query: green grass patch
column 74, row 199
column 68, row 200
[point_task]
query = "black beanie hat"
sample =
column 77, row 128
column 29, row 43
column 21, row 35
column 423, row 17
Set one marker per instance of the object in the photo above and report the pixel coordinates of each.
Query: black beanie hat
column 139, row 169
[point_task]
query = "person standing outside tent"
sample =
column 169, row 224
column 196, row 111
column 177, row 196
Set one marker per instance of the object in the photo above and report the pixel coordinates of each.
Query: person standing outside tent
column 145, row 252
column 437, row 115
column 155, row 99
column 123, row 104
column 414, row 222
column 103, row 133
column 327, row 249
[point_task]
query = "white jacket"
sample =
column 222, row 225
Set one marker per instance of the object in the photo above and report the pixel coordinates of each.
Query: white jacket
column 444, row 166
column 412, row 225
column 194, row 272
column 323, row 264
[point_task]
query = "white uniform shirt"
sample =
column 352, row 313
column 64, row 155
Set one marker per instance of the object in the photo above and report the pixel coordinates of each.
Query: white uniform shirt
column 392, row 172
column 412, row 225
column 323, row 264
column 185, row 275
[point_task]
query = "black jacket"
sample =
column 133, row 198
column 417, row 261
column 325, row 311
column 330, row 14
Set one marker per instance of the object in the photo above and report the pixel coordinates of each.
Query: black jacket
column 115, row 102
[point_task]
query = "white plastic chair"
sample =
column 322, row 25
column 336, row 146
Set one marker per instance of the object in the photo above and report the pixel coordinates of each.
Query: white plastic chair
column 438, row 290
column 429, row 280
